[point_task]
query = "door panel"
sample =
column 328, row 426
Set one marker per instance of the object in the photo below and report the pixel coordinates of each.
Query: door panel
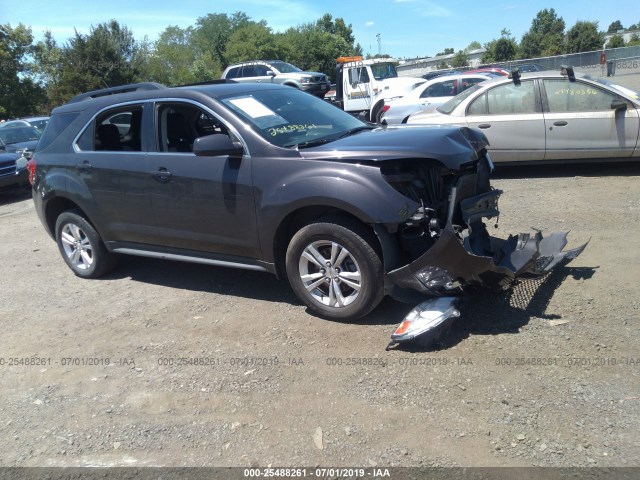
column 112, row 162
column 200, row 203
column 509, row 117
column 581, row 123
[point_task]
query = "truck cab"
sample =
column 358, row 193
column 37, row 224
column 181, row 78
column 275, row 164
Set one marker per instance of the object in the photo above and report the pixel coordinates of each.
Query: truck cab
column 362, row 86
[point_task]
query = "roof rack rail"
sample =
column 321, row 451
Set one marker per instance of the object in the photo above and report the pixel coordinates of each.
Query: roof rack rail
column 208, row 82
column 132, row 87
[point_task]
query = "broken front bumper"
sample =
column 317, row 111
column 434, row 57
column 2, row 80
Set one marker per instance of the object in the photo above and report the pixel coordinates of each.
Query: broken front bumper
column 471, row 257
column 451, row 264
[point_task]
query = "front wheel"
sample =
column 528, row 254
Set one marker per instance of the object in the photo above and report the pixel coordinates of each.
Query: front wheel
column 81, row 247
column 334, row 269
column 376, row 113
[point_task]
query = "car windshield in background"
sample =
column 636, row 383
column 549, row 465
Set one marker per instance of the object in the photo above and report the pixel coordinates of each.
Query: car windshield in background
column 284, row 67
column 19, row 134
column 291, row 118
column 449, row 106
column 624, row 90
column 384, row 70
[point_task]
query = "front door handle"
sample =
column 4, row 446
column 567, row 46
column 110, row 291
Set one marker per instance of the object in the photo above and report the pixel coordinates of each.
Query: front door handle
column 560, row 123
column 84, row 167
column 161, row 174
column 484, row 125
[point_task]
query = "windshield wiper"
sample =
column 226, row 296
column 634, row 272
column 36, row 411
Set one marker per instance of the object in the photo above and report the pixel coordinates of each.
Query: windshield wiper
column 322, row 141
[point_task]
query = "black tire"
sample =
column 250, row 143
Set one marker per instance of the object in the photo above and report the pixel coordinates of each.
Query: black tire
column 81, row 247
column 376, row 113
column 351, row 285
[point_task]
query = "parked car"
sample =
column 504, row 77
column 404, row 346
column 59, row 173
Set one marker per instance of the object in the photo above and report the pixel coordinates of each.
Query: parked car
column 19, row 139
column 433, row 92
column 439, row 73
column 37, row 122
column 13, row 171
column 528, row 67
column 496, row 70
column 276, row 71
column 547, row 116
column 268, row 178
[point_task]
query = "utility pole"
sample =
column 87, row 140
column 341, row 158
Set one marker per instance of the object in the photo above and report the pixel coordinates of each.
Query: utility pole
column 379, row 44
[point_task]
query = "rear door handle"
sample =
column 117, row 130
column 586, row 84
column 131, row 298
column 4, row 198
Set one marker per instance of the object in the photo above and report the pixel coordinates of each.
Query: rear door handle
column 484, row 125
column 560, row 123
column 162, row 175
column 84, row 167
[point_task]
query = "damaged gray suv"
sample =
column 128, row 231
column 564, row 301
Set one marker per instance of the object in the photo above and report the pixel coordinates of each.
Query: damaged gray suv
column 268, row 178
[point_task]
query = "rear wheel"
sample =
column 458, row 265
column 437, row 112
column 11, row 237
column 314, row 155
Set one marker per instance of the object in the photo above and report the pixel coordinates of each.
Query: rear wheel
column 334, row 269
column 81, row 247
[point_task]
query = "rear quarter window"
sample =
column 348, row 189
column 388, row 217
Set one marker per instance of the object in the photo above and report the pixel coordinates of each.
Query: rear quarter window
column 57, row 124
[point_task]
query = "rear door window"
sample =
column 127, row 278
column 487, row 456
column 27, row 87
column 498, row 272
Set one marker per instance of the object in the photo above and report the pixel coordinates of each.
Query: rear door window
column 577, row 96
column 116, row 130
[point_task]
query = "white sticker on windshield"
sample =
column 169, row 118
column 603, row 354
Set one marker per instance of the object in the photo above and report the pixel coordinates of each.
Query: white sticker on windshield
column 252, row 107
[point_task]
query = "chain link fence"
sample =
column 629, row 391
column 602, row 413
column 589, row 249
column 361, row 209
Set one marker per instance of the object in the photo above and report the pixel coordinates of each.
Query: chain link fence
column 615, row 61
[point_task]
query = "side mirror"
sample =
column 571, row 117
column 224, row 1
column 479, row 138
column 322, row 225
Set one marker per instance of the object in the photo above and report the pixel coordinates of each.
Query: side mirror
column 271, row 73
column 618, row 105
column 216, row 145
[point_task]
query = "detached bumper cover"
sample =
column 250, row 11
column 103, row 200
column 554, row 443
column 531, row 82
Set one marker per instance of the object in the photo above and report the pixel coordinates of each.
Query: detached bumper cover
column 448, row 265
column 474, row 258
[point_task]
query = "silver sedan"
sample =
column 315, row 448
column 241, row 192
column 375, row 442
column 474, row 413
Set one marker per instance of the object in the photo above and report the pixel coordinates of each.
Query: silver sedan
column 547, row 116
column 429, row 95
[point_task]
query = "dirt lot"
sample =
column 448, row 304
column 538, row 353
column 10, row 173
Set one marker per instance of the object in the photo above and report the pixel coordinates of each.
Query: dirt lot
column 93, row 372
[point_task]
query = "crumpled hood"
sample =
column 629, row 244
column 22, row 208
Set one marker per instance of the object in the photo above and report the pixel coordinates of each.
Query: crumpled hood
column 452, row 146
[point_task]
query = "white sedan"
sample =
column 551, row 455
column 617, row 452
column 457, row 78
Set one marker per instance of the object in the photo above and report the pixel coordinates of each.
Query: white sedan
column 430, row 94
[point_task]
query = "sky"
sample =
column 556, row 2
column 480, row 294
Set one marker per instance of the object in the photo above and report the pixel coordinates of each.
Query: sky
column 407, row 28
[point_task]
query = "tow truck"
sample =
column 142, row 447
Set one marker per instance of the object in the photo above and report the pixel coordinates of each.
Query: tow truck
column 362, row 85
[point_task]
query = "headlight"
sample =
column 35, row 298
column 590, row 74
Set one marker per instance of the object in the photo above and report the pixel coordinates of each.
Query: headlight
column 21, row 163
column 425, row 317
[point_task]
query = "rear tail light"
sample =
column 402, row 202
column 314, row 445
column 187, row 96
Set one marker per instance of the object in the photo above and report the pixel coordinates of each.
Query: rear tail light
column 385, row 108
column 31, row 166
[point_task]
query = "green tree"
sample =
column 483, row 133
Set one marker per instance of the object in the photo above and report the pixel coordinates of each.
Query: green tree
column 545, row 37
column 615, row 26
column 502, row 49
column 442, row 65
column 108, row 56
column 447, row 51
column 172, row 59
column 251, row 42
column 475, row 45
column 460, row 59
column 616, row 41
column 20, row 95
column 634, row 40
column 211, row 35
column 584, row 37
column 47, row 68
column 337, row 27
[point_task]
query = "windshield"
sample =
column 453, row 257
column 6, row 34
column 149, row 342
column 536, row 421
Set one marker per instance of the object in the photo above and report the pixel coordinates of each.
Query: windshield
column 449, row 106
column 383, row 70
column 284, row 67
column 289, row 117
column 19, row 134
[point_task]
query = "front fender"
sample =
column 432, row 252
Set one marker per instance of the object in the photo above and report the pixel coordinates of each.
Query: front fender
column 358, row 190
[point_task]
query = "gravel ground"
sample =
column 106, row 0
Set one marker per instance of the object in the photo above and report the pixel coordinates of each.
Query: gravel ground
column 93, row 372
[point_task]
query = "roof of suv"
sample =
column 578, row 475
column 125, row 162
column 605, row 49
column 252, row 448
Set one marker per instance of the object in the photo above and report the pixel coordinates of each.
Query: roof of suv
column 98, row 99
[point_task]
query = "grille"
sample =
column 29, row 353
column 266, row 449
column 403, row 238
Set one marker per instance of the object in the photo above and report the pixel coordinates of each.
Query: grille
column 7, row 167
